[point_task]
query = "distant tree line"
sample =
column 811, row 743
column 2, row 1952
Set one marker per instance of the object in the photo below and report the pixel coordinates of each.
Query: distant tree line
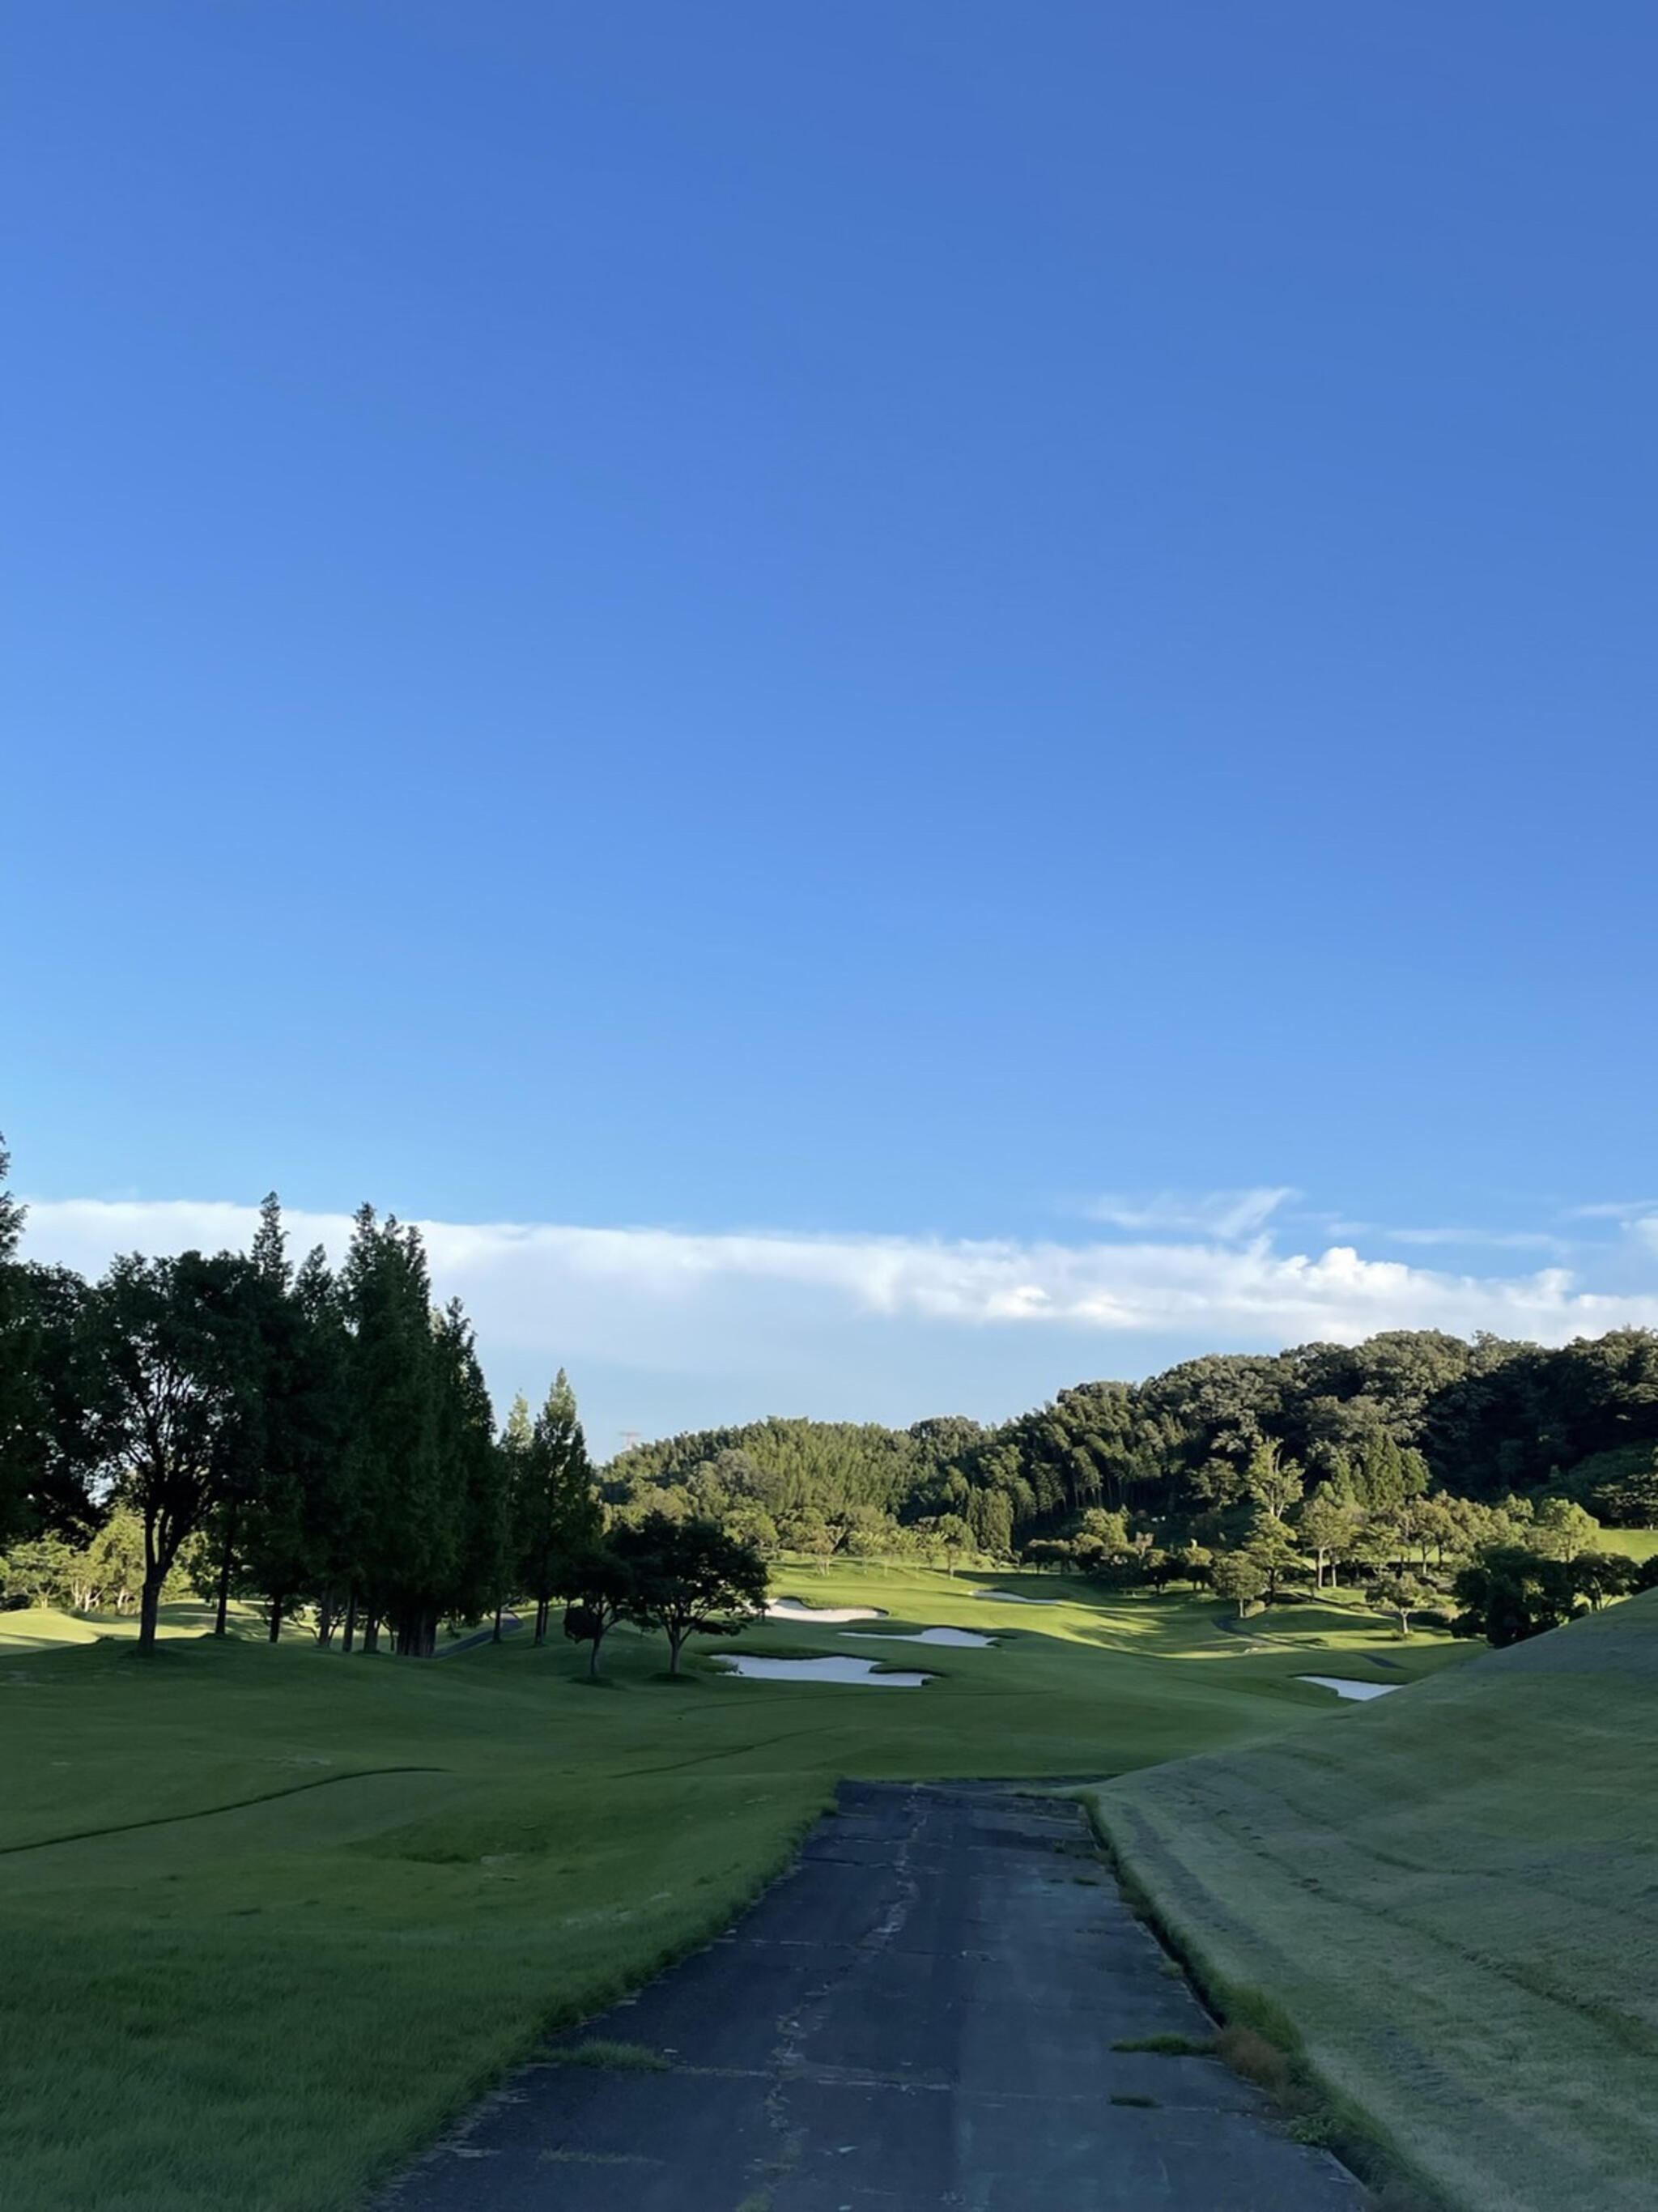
column 1409, row 1463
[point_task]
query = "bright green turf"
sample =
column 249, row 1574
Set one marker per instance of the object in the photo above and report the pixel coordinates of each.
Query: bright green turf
column 39, row 1628
column 1639, row 1543
column 266, row 2003
column 1453, row 1897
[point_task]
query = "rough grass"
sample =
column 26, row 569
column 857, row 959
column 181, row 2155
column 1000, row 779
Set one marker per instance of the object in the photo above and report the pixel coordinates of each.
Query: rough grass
column 1449, row 1905
column 610, row 2057
column 269, row 1917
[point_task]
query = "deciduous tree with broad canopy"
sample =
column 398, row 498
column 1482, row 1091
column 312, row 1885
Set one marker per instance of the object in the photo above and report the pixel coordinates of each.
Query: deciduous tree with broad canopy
column 690, row 1578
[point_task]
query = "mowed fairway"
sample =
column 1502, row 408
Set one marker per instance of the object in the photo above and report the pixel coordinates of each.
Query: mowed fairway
column 268, row 1917
column 1453, row 1896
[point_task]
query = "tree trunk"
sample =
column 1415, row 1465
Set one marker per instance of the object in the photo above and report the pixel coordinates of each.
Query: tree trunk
column 276, row 1619
column 325, row 1617
column 221, row 1626
column 593, row 1657
column 350, row 1636
column 495, row 1638
column 371, row 1633
column 544, row 1607
column 676, row 1644
column 150, row 1607
column 418, row 1635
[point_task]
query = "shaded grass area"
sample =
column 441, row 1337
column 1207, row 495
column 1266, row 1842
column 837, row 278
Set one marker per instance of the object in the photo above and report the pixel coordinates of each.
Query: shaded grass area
column 269, row 1917
column 1448, row 1909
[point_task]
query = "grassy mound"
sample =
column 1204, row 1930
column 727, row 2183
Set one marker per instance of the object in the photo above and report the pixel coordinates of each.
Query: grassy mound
column 1452, row 1897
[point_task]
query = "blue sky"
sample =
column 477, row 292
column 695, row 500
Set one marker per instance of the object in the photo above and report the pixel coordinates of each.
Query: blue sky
column 898, row 632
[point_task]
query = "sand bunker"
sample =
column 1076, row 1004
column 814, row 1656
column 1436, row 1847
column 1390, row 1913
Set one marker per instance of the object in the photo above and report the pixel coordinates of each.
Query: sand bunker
column 1344, row 1688
column 959, row 1640
column 818, row 1670
column 821, row 1616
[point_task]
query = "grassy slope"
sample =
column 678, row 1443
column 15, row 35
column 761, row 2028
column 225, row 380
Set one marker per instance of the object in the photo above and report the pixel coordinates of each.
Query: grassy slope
column 263, row 2004
column 1453, row 1896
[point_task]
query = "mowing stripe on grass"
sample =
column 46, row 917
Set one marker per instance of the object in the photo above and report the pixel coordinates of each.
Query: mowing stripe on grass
column 207, row 1812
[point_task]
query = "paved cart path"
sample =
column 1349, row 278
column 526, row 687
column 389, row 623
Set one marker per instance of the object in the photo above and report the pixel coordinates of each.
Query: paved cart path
column 919, row 2015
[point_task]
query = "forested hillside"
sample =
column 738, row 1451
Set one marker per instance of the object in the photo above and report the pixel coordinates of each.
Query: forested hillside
column 1408, row 1413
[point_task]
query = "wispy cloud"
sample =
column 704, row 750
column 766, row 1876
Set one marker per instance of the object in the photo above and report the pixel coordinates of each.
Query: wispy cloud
column 1227, row 1214
column 1495, row 1240
column 1613, row 1209
column 647, row 1295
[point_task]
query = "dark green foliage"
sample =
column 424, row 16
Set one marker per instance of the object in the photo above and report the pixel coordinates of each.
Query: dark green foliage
column 689, row 1577
column 48, row 1454
column 292, row 1438
column 1600, row 1577
column 1510, row 1593
column 553, row 1514
column 48, row 1387
column 174, row 1368
column 290, row 1536
column 1399, row 1429
column 1619, row 1487
column 1239, row 1577
column 602, row 1591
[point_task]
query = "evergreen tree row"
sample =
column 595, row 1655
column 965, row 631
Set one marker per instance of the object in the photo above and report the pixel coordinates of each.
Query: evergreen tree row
column 300, row 1437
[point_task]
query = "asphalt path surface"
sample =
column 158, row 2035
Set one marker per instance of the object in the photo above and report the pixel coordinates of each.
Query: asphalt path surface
column 919, row 2015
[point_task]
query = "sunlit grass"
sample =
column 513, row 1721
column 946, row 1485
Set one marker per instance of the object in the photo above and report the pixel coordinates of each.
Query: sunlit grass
column 270, row 1916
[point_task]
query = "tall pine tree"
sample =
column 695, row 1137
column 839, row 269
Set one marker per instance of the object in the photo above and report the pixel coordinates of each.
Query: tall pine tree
column 555, row 1514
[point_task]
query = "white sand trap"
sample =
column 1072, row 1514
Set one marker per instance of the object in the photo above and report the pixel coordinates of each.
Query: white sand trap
column 818, row 1670
column 1012, row 1597
column 1344, row 1688
column 959, row 1640
column 824, row 1616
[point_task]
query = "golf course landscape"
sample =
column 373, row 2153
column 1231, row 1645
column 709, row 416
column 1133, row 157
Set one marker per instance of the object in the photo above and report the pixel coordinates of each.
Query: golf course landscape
column 829, row 1237
column 271, row 1915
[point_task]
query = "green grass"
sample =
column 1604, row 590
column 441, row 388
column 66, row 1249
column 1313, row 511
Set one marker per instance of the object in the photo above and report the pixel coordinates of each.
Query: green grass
column 1449, row 1903
column 268, row 1917
column 612, row 2056
column 39, row 1628
column 1638, row 1543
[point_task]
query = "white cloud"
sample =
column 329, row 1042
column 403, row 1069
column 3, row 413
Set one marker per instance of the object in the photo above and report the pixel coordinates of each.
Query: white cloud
column 657, row 1297
column 1614, row 1209
column 1227, row 1214
column 1501, row 1240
